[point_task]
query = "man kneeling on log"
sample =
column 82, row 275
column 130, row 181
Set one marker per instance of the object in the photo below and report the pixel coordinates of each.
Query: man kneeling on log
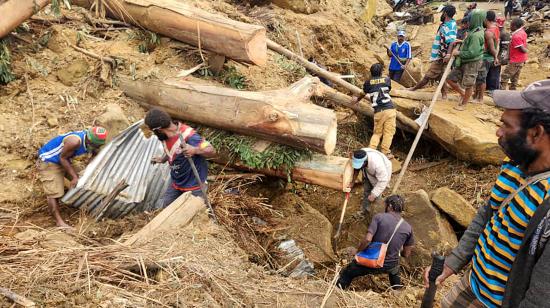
column 180, row 141
column 389, row 228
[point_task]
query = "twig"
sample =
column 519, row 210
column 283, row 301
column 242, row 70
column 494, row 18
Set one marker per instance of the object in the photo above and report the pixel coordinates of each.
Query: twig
column 19, row 37
column 331, row 286
column 31, row 98
column 199, row 42
column 93, row 55
column 16, row 298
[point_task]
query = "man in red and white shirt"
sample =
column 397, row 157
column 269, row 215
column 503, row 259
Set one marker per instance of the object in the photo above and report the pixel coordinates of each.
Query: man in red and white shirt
column 518, row 55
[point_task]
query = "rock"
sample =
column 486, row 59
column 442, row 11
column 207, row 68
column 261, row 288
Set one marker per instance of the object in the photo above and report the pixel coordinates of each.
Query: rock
column 298, row 6
column 432, row 232
column 310, row 229
column 59, row 37
column 454, row 205
column 413, row 74
column 114, row 120
column 73, row 73
column 52, row 122
column 415, row 46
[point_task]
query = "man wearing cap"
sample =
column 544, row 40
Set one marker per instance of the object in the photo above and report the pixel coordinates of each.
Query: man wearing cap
column 446, row 34
column 506, row 242
column 400, row 55
column 376, row 168
column 54, row 163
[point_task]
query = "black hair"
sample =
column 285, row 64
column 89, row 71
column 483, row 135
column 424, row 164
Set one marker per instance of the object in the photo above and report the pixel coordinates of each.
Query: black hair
column 396, row 202
column 157, row 118
column 464, row 20
column 532, row 117
column 359, row 154
column 517, row 22
column 491, row 16
column 376, row 70
column 449, row 10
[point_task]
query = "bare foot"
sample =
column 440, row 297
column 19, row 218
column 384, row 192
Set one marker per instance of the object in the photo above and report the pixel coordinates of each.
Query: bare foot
column 459, row 107
column 63, row 225
column 444, row 96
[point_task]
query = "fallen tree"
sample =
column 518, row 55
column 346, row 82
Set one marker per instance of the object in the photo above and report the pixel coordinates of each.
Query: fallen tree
column 328, row 171
column 284, row 116
column 236, row 40
column 14, row 12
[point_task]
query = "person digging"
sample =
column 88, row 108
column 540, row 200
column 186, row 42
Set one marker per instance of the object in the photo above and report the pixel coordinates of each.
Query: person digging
column 55, row 163
column 176, row 152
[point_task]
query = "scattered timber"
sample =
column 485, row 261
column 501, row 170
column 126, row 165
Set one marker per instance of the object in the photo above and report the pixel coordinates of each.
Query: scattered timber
column 16, row 298
column 15, row 12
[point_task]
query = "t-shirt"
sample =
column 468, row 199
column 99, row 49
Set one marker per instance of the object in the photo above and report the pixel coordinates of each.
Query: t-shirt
column 446, row 34
column 378, row 90
column 519, row 38
column 382, row 227
column 504, row 49
column 403, row 52
column 180, row 170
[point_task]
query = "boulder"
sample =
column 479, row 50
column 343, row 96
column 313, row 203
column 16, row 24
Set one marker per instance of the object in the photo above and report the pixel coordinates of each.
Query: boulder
column 311, row 230
column 432, row 232
column 413, row 74
column 452, row 204
column 114, row 120
column 72, row 74
column 298, row 6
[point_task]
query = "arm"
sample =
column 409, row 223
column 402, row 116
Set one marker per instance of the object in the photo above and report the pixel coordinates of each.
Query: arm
column 365, row 242
column 474, row 50
column 353, row 179
column 196, row 145
column 490, row 39
column 407, row 250
column 159, row 159
column 523, row 49
column 70, row 145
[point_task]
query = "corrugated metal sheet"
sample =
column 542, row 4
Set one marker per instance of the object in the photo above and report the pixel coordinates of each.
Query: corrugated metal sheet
column 127, row 157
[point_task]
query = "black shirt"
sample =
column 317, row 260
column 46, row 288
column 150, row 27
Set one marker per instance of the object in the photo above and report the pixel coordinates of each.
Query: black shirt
column 378, row 90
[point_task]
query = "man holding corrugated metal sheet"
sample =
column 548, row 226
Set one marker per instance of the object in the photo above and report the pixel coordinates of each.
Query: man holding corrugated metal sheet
column 180, row 141
column 54, row 163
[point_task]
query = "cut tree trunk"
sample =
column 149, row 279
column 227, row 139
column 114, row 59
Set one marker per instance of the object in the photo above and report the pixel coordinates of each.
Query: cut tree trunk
column 284, row 116
column 328, row 171
column 236, row 40
column 15, row 12
column 427, row 96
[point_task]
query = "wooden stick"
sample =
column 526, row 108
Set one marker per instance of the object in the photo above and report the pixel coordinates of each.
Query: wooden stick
column 16, row 298
column 331, row 286
column 423, row 126
column 341, row 217
column 299, row 44
column 93, row 55
column 106, row 202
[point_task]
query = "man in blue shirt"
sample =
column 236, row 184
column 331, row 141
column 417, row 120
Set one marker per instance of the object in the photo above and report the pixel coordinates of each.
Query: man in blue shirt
column 400, row 54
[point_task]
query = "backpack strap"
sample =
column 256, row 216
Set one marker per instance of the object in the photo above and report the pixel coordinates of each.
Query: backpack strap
column 530, row 180
column 395, row 230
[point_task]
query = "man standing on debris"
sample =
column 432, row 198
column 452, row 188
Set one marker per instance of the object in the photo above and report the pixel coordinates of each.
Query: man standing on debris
column 506, row 242
column 493, row 82
column 400, row 56
column 518, row 55
column 446, row 34
column 490, row 56
column 377, row 170
column 381, row 229
column 468, row 59
column 55, row 162
column 170, row 133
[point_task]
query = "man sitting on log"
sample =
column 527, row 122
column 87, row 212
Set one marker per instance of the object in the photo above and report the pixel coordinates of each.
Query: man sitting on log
column 507, row 241
column 180, row 141
column 55, row 162
column 389, row 228
column 377, row 170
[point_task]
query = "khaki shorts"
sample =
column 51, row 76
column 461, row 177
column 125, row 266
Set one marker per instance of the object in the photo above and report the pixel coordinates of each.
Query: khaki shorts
column 52, row 177
column 436, row 69
column 466, row 74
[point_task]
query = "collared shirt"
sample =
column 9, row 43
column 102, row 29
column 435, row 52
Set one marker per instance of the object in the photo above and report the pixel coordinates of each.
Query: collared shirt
column 446, row 34
column 403, row 52
column 519, row 38
column 500, row 241
column 378, row 171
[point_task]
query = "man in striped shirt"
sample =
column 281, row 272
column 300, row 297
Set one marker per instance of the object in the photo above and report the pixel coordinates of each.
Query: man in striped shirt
column 506, row 241
column 446, row 34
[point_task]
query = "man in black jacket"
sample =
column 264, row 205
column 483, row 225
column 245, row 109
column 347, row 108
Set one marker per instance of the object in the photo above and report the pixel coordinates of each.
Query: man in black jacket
column 506, row 241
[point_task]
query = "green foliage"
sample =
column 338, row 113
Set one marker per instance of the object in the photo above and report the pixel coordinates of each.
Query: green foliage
column 148, row 40
column 295, row 69
column 241, row 147
column 56, row 6
column 5, row 63
column 233, row 78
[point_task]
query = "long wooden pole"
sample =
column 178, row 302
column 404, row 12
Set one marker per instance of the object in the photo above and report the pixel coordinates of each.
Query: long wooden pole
column 423, row 126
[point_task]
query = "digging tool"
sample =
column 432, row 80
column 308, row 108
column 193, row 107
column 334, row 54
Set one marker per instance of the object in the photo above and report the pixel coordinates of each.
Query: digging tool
column 396, row 58
column 437, row 268
column 198, row 178
column 342, row 216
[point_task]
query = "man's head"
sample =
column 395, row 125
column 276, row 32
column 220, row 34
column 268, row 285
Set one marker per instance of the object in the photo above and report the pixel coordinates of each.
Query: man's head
column 464, row 23
column 472, row 6
column 401, row 36
column 447, row 13
column 524, row 134
column 96, row 136
column 158, row 121
column 490, row 18
column 500, row 22
column 376, row 70
column 359, row 159
column 516, row 23
column 395, row 203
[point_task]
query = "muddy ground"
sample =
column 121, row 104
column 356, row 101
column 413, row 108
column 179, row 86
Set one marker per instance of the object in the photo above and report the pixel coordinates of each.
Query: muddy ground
column 60, row 89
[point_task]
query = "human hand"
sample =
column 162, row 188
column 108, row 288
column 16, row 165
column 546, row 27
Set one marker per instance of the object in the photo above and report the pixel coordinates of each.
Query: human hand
column 496, row 62
column 372, row 198
column 157, row 160
column 456, row 52
column 189, row 151
column 73, row 183
column 447, row 271
column 447, row 58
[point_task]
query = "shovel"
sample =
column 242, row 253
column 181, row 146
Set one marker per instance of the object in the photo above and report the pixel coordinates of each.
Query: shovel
column 342, row 216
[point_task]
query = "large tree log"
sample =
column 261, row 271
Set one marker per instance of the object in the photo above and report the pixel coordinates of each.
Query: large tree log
column 14, row 12
column 284, row 116
column 328, row 171
column 427, row 96
column 236, row 40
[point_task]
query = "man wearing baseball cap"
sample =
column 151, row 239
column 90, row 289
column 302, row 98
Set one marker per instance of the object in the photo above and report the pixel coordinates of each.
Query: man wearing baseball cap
column 400, row 55
column 54, row 163
column 507, row 241
column 377, row 170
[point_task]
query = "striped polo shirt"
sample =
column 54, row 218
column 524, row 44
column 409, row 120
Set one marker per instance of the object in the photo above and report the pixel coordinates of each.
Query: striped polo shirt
column 499, row 243
column 446, row 34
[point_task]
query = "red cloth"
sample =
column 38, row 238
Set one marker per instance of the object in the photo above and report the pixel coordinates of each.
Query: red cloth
column 519, row 38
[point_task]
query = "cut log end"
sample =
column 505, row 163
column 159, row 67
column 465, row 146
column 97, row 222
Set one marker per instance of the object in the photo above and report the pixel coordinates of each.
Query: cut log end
column 330, row 141
column 256, row 48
